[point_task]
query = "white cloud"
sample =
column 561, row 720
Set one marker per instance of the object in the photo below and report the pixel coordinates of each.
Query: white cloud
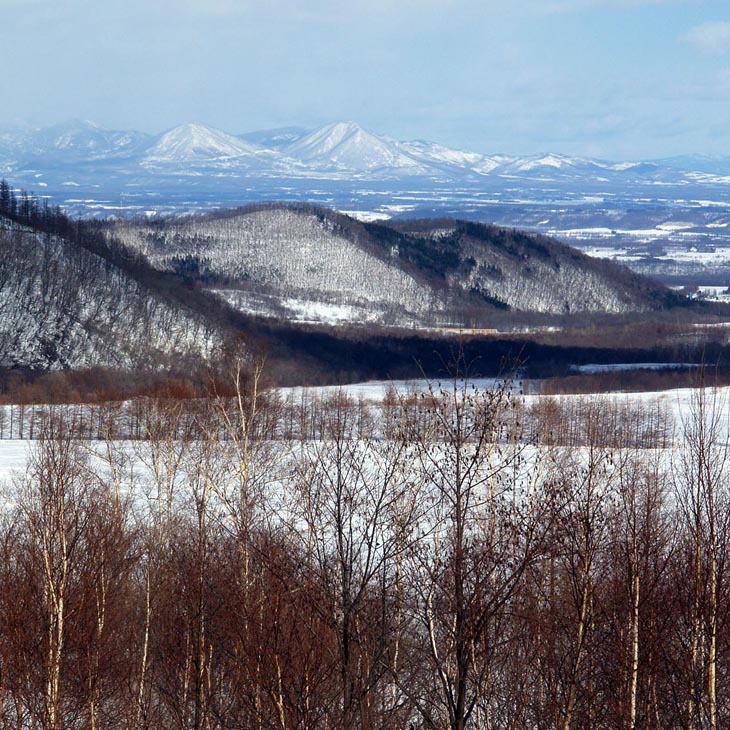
column 713, row 37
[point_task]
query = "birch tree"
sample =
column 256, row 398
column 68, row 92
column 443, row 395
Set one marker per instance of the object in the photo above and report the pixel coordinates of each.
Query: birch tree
column 485, row 525
column 53, row 505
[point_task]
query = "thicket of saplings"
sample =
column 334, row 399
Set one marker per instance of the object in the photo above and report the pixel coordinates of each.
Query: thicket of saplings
column 451, row 559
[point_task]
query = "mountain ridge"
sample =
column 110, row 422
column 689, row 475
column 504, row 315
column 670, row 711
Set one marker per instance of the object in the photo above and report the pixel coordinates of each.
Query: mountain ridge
column 283, row 260
column 335, row 147
column 195, row 142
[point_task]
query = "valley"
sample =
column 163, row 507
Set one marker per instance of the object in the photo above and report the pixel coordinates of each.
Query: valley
column 365, row 365
column 351, row 255
column 658, row 217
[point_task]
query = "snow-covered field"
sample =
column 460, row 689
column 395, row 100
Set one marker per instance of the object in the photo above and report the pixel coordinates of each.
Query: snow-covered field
column 374, row 391
column 13, row 457
column 677, row 404
column 595, row 368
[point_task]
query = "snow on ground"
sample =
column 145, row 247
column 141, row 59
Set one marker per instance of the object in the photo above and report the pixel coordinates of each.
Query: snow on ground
column 399, row 208
column 374, row 391
column 304, row 311
column 609, row 252
column 593, row 369
column 366, row 216
column 640, row 234
column 715, row 293
column 714, row 257
column 677, row 403
column 13, row 457
column 309, row 311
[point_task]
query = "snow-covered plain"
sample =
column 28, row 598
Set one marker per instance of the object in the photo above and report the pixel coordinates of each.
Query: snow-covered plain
column 13, row 457
column 677, row 404
column 592, row 369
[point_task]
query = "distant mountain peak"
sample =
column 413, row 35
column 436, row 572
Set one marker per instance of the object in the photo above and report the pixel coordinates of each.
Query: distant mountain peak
column 196, row 142
column 75, row 125
column 350, row 146
column 325, row 139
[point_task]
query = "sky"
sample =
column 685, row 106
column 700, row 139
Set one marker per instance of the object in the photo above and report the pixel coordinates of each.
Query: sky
column 619, row 79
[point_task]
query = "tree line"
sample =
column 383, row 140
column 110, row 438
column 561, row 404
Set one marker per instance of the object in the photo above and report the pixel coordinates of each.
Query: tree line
column 448, row 559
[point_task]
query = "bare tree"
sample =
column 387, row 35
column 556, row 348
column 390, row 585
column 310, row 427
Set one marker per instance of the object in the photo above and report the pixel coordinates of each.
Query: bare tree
column 642, row 554
column 53, row 505
column 703, row 499
column 486, row 521
column 353, row 519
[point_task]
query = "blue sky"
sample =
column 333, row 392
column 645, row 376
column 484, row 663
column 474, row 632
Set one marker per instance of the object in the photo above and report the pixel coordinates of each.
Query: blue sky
column 613, row 78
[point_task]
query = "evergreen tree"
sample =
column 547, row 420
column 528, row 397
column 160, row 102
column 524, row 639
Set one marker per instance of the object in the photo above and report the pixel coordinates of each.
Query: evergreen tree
column 4, row 198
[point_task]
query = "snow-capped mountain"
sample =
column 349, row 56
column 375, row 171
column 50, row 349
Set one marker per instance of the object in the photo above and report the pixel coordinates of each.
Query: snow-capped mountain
column 563, row 165
column 550, row 161
column 436, row 154
column 346, row 145
column 336, row 149
column 196, row 143
column 76, row 140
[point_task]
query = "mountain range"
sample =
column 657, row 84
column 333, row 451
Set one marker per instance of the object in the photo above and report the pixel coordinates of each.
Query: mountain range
column 334, row 150
column 641, row 207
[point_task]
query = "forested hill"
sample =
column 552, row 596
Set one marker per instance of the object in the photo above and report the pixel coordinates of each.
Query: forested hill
column 68, row 300
column 166, row 293
column 311, row 264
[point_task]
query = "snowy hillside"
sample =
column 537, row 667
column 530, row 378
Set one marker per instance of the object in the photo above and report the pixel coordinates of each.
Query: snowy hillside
column 282, row 260
column 62, row 306
column 533, row 274
column 309, row 264
column 163, row 293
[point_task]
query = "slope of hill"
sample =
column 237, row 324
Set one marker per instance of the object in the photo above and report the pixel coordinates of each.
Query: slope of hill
column 62, row 306
column 310, row 264
column 532, row 273
column 288, row 262
column 164, row 294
